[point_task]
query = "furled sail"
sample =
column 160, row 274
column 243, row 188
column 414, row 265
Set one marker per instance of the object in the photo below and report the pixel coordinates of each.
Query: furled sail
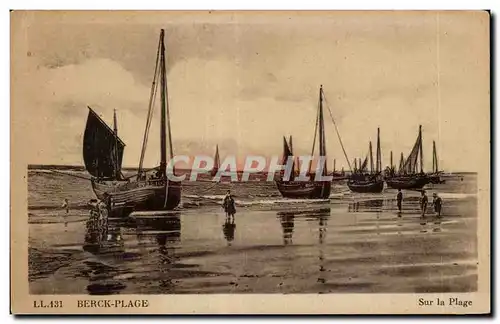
column 102, row 148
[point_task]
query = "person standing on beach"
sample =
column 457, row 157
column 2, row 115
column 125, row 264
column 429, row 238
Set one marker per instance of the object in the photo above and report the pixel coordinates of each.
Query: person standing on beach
column 423, row 203
column 65, row 205
column 437, row 202
column 228, row 204
column 399, row 199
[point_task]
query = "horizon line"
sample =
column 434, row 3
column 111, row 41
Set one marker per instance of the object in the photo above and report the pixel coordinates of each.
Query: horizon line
column 34, row 165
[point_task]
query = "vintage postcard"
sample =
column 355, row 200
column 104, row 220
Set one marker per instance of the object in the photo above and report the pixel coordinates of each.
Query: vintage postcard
column 230, row 162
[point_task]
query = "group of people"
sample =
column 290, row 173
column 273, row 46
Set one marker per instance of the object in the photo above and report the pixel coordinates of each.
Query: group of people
column 437, row 202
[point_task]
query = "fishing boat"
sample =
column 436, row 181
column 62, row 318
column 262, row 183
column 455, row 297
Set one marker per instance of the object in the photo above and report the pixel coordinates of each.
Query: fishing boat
column 435, row 175
column 408, row 177
column 372, row 181
column 310, row 189
column 103, row 154
column 148, row 190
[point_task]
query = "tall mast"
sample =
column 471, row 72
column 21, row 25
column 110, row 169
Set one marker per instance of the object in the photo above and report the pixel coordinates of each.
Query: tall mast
column 436, row 155
column 322, row 145
column 334, row 162
column 295, row 161
column 163, row 135
column 421, row 151
column 170, row 146
column 379, row 156
column 115, row 130
column 371, row 158
column 433, row 156
column 392, row 165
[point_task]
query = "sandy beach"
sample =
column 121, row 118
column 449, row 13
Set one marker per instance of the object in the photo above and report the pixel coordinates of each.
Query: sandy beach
column 346, row 244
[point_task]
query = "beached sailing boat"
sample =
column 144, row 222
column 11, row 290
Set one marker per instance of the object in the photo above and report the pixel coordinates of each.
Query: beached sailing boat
column 310, row 189
column 147, row 192
column 372, row 181
column 408, row 176
column 435, row 176
column 103, row 154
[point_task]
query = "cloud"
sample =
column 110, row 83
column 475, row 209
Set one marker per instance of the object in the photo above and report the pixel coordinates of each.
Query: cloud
column 245, row 85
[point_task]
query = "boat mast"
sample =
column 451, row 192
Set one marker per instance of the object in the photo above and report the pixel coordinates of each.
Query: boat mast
column 115, row 131
column 295, row 164
column 314, row 141
column 379, row 154
column 371, row 158
column 322, row 144
column 435, row 167
column 163, row 146
column 152, row 97
column 392, row 165
column 421, row 151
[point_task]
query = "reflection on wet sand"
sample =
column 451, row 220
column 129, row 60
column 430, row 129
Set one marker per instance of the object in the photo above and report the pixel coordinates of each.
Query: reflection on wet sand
column 106, row 238
column 368, row 205
column 228, row 229
column 321, row 215
column 323, row 219
column 287, row 225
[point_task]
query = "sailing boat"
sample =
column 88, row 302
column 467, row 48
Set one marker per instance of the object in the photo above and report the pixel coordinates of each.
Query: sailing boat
column 372, row 182
column 103, row 154
column 408, row 177
column 434, row 177
column 102, row 158
column 307, row 189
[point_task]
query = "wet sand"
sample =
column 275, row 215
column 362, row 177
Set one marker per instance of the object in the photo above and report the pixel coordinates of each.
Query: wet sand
column 342, row 246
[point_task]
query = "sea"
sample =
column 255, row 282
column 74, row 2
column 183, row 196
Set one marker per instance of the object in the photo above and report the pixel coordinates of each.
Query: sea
column 349, row 243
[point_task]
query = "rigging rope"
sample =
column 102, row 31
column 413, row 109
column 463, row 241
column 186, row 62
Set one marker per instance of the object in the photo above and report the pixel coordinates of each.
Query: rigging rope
column 152, row 99
column 314, row 139
column 338, row 134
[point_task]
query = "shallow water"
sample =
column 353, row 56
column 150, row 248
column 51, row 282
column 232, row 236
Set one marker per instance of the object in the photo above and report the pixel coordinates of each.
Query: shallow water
column 351, row 243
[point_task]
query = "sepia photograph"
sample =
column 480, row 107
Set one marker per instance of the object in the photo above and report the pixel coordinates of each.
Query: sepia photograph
column 250, row 162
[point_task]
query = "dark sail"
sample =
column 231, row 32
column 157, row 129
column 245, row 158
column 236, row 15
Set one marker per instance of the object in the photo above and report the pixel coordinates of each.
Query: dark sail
column 216, row 167
column 410, row 165
column 102, row 149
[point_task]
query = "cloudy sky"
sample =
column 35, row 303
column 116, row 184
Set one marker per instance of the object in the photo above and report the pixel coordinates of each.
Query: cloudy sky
column 244, row 80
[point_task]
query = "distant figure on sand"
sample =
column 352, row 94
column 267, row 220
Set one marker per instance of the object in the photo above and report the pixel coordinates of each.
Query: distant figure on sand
column 65, row 205
column 399, row 198
column 437, row 202
column 423, row 202
column 228, row 204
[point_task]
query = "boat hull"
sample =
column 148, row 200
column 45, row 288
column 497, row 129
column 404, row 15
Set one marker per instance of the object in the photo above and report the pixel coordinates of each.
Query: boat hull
column 375, row 186
column 304, row 189
column 408, row 182
column 101, row 188
column 150, row 195
column 435, row 179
